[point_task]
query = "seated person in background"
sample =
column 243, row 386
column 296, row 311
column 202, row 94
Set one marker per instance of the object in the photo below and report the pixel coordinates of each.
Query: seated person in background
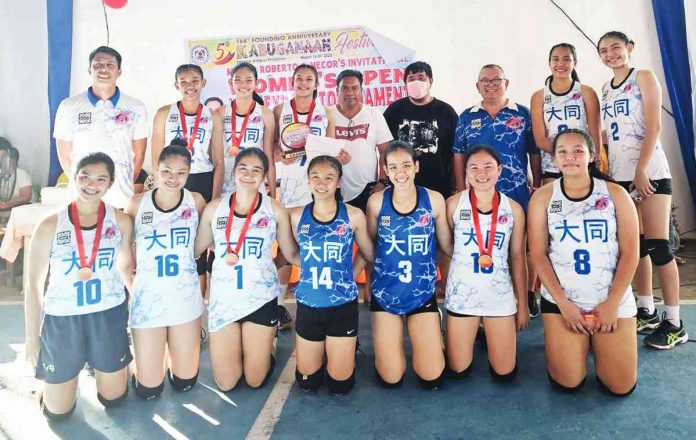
column 22, row 190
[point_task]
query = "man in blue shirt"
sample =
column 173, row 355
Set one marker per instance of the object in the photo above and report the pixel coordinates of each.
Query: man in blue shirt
column 507, row 127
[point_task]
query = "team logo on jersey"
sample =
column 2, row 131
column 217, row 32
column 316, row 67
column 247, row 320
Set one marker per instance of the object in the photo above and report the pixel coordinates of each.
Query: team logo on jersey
column 146, row 218
column 317, row 118
column 287, row 119
column 465, row 214
column 228, row 120
column 63, row 237
column 122, row 118
column 304, row 229
column 385, row 221
column 601, row 203
column 200, row 54
column 627, row 88
column 556, row 206
column 503, row 219
column 605, row 94
column 547, row 99
column 256, row 119
column 262, row 223
column 514, row 123
column 173, row 117
column 576, row 96
column 476, row 123
column 186, row 213
column 342, row 230
column 84, row 118
column 110, row 232
column 424, row 220
column 221, row 222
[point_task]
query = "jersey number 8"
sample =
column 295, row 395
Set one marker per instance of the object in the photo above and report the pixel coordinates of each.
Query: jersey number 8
column 582, row 262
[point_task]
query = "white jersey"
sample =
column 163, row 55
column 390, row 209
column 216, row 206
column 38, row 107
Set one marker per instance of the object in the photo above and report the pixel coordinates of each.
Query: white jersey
column 166, row 290
column 624, row 121
column 584, row 247
column 66, row 294
column 562, row 112
column 294, row 184
column 200, row 157
column 253, row 138
column 239, row 290
column 471, row 289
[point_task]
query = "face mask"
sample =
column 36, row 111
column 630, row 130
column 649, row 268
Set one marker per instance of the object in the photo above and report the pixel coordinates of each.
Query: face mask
column 418, row 89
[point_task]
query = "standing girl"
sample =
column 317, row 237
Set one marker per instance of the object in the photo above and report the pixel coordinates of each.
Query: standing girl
column 166, row 305
column 81, row 316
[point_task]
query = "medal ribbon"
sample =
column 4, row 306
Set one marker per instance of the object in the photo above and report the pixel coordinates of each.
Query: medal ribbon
column 309, row 114
column 101, row 212
column 245, row 228
column 234, row 141
column 182, row 117
column 477, row 225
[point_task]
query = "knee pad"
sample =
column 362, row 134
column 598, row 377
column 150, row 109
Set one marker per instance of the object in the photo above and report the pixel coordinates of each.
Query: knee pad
column 147, row 393
column 113, row 403
column 201, row 264
column 459, row 375
column 557, row 386
column 432, row 384
column 310, row 382
column 503, row 378
column 340, row 387
column 606, row 389
column 180, row 384
column 659, row 252
column 52, row 417
column 643, row 252
column 386, row 384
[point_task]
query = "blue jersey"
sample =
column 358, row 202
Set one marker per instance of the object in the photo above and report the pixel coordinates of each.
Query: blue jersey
column 326, row 251
column 510, row 134
column 405, row 270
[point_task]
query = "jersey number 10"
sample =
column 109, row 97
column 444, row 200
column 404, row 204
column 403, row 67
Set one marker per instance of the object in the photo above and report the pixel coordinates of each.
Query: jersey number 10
column 88, row 292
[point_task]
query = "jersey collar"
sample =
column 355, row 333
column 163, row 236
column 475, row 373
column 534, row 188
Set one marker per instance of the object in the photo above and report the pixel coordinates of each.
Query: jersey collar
column 510, row 105
column 94, row 99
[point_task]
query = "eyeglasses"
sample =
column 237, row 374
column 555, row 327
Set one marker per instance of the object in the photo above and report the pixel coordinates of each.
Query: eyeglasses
column 495, row 81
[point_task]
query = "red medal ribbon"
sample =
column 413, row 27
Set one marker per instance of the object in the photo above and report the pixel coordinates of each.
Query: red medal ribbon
column 309, row 114
column 101, row 213
column 245, row 228
column 235, row 141
column 182, row 117
column 477, row 225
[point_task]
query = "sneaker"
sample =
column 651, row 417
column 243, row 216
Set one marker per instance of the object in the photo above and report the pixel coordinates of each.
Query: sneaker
column 666, row 335
column 533, row 304
column 645, row 320
column 284, row 318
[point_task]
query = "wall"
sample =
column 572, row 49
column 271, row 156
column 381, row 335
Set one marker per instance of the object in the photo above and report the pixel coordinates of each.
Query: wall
column 455, row 36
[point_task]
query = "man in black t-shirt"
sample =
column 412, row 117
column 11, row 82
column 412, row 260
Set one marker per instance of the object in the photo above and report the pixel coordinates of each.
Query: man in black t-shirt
column 428, row 124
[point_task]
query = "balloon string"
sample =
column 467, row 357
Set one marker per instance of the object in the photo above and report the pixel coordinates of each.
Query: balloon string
column 106, row 20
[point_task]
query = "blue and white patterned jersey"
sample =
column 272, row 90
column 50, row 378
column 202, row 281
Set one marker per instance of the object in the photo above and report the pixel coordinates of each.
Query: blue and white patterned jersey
column 239, row 290
column 200, row 158
column 166, row 290
column 624, row 120
column 405, row 264
column 471, row 289
column 510, row 134
column 66, row 294
column 562, row 112
column 584, row 247
column 252, row 138
column 326, row 251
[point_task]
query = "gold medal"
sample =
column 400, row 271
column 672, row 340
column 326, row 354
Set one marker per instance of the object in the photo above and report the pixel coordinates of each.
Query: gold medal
column 84, row 273
column 233, row 150
column 591, row 319
column 231, row 259
column 485, row 261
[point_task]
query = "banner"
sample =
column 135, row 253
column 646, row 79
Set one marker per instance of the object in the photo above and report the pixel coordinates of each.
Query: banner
column 275, row 56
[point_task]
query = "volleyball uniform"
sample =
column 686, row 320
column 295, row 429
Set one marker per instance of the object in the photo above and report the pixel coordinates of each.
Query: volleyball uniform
column 294, row 185
column 252, row 138
column 79, row 316
column 166, row 290
column 239, row 290
column 584, row 247
column 405, row 267
column 562, row 112
column 624, row 118
column 472, row 289
column 200, row 155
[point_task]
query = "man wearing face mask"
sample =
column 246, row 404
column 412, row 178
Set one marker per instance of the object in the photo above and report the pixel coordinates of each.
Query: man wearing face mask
column 428, row 124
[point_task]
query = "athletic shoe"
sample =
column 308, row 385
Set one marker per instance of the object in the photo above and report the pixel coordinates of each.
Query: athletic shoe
column 533, row 304
column 284, row 318
column 666, row 335
column 646, row 320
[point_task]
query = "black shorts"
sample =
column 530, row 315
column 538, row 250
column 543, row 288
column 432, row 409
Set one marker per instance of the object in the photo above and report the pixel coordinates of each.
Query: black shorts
column 464, row 315
column 360, row 201
column 201, row 183
column 549, row 307
column 315, row 324
column 662, row 186
column 67, row 342
column 429, row 306
column 266, row 315
column 550, row 175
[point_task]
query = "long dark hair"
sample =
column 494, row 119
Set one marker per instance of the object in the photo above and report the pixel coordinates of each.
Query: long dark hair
column 573, row 53
column 95, row 158
column 177, row 147
column 594, row 171
column 314, row 71
column 333, row 163
column 615, row 34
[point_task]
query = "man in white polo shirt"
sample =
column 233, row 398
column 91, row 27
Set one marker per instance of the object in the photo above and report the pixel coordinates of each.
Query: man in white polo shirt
column 103, row 119
column 365, row 128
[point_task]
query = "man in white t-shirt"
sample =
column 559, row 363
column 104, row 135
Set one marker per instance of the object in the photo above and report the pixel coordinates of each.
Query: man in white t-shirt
column 365, row 129
column 22, row 190
column 103, row 119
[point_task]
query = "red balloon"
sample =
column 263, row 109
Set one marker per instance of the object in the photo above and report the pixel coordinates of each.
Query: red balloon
column 115, row 4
